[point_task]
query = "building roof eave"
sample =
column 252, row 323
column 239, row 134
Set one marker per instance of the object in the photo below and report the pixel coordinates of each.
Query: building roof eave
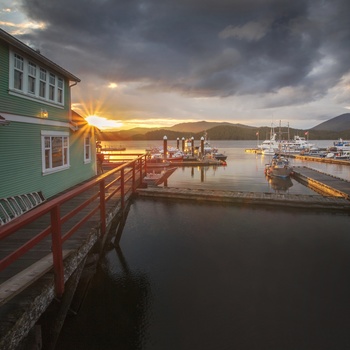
column 25, row 48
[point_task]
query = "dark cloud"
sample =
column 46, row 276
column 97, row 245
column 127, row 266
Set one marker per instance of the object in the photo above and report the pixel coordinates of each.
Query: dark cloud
column 200, row 48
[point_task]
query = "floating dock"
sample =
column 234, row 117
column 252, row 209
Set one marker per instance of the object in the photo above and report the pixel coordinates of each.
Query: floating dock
column 335, row 193
column 322, row 182
column 248, row 198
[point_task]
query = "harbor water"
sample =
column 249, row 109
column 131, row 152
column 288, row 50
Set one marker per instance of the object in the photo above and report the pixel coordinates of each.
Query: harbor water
column 213, row 276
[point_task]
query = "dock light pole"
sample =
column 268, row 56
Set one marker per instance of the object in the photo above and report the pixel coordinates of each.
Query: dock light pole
column 202, row 146
column 192, row 145
column 177, row 143
column 165, row 146
column 183, row 144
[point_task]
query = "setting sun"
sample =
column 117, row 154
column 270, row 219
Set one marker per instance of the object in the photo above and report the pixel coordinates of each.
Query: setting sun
column 103, row 123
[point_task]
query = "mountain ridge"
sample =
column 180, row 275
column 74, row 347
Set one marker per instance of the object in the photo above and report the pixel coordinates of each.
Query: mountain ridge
column 337, row 127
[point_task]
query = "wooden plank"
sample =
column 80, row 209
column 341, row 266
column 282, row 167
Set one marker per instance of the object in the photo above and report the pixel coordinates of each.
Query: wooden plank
column 23, row 279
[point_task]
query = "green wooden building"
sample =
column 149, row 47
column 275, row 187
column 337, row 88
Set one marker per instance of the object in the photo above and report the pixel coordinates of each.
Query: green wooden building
column 44, row 146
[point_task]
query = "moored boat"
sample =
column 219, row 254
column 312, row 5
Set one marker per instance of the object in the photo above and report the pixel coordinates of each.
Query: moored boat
column 157, row 177
column 220, row 156
column 278, row 167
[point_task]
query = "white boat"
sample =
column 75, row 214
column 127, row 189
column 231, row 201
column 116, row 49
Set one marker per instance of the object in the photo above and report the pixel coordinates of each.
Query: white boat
column 270, row 146
column 342, row 145
column 297, row 145
column 156, row 161
column 345, row 155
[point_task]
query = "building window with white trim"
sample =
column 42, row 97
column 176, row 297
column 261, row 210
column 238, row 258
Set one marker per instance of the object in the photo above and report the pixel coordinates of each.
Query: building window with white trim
column 52, row 83
column 55, row 151
column 59, row 90
column 28, row 79
column 42, row 84
column 18, row 72
column 31, row 78
column 87, row 149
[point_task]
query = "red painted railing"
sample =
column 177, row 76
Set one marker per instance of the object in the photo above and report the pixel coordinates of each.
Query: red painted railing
column 114, row 183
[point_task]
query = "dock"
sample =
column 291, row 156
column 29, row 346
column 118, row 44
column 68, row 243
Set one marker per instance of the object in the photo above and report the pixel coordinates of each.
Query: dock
column 261, row 199
column 335, row 193
column 322, row 182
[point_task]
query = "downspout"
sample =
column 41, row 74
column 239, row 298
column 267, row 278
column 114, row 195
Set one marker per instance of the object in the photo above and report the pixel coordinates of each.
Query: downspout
column 70, row 100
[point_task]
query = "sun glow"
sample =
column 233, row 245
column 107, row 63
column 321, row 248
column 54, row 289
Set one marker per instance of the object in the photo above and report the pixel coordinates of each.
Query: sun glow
column 103, row 123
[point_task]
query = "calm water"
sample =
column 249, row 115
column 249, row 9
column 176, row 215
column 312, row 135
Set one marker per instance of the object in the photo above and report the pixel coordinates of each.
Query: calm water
column 202, row 276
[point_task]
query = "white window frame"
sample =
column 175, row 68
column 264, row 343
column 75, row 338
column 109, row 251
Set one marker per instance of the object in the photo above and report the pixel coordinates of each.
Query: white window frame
column 46, row 147
column 27, row 73
column 32, row 76
column 87, row 148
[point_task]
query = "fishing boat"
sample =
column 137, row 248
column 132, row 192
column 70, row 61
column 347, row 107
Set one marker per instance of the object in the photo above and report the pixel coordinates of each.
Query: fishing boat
column 278, row 167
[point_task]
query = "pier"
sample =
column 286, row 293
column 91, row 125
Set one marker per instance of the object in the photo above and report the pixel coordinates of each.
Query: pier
column 247, row 198
column 323, row 183
column 47, row 252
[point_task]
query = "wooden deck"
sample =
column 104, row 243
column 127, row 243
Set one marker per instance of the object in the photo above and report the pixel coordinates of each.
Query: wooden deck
column 27, row 286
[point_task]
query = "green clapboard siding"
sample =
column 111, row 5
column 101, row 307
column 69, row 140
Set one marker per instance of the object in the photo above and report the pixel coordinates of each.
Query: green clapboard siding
column 21, row 161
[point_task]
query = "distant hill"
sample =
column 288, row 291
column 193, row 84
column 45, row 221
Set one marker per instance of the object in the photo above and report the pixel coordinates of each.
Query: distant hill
column 340, row 123
column 201, row 126
column 338, row 127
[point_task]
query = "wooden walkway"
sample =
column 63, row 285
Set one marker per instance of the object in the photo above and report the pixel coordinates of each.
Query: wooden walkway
column 323, row 182
column 27, row 286
column 248, row 198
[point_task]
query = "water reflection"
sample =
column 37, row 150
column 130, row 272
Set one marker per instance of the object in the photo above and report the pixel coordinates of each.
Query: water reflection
column 115, row 311
column 280, row 185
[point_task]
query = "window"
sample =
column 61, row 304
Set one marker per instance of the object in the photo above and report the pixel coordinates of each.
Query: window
column 55, row 151
column 18, row 72
column 52, row 83
column 31, row 77
column 87, row 149
column 30, row 80
column 42, row 85
column 59, row 90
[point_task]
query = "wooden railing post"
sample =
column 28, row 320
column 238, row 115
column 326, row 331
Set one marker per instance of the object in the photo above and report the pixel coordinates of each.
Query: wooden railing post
column 102, row 207
column 133, row 177
column 122, row 188
column 141, row 162
column 57, row 250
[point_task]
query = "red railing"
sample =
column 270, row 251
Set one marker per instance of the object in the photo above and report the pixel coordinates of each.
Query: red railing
column 110, row 185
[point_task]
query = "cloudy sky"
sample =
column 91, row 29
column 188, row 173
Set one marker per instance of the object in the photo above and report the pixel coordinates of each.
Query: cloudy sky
column 162, row 62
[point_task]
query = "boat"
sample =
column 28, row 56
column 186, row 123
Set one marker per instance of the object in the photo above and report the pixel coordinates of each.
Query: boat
column 220, row 156
column 176, row 157
column 270, row 146
column 342, row 145
column 157, row 161
column 207, row 147
column 155, row 177
column 297, row 145
column 345, row 155
column 278, row 167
